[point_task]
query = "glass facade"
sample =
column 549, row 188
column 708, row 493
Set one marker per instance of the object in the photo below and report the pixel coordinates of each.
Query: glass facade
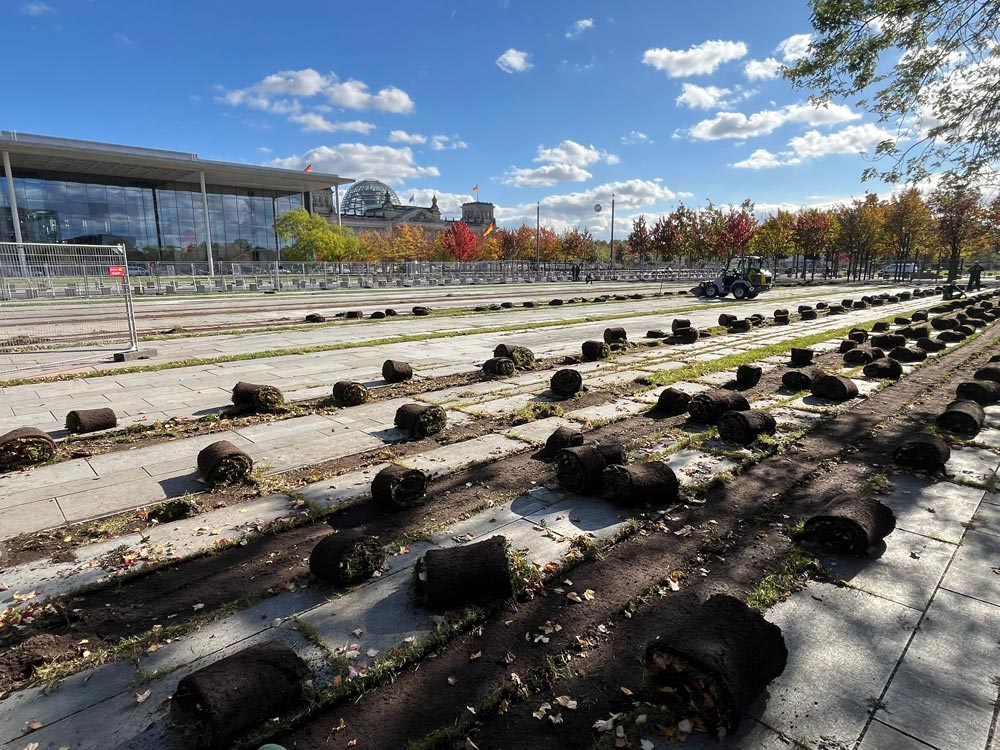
column 155, row 223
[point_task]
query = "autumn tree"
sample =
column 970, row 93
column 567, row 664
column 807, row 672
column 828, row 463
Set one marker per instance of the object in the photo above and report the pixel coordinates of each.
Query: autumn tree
column 640, row 241
column 410, row 243
column 459, row 241
column 507, row 241
column 666, row 237
column 812, row 233
column 549, row 245
column 313, row 238
column 909, row 227
column 927, row 66
column 737, row 231
column 775, row 237
column 577, row 246
column 961, row 220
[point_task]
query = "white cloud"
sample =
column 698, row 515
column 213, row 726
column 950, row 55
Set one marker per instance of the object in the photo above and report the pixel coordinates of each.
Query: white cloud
column 562, row 212
column 546, row 176
column 401, row 136
column 703, row 97
column 514, row 61
column 315, row 123
column 450, row 204
column 794, row 47
column 356, row 160
column 853, row 139
column 699, row 59
column 265, row 150
column 761, row 159
column 447, row 143
column 738, row 125
column 122, row 39
column 634, row 137
column 762, row 69
column 37, row 9
column 575, row 154
column 579, row 27
column 349, row 94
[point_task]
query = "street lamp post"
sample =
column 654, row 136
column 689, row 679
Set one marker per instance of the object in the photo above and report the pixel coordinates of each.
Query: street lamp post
column 538, row 235
column 611, row 255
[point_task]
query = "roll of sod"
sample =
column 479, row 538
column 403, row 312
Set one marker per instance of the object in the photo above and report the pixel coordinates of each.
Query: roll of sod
column 801, row 357
column 315, row 318
column 808, row 315
column 800, row 380
column 990, row 372
column 683, row 336
column 740, row 326
column 880, row 326
column 678, row 323
column 656, row 333
column 744, row 427
column 747, row 376
column 944, row 324
column 710, row 664
column 421, row 420
column 965, row 330
column 908, row 354
column 848, row 303
column 963, row 417
column 350, row 393
column 888, row 341
column 218, row 703
column 499, row 367
column 846, row 345
column 919, row 332
column 224, row 463
column 523, row 357
column 579, row 468
column 821, row 305
column 652, row 483
column 951, row 337
column 900, row 321
column 671, row 403
column 930, row 345
column 857, row 357
column 781, row 320
column 919, row 316
column 395, row 371
column 835, row 310
column 468, row 574
column 346, row 558
column 859, row 304
column 566, row 382
column 850, row 525
column 555, row 302
column 397, row 487
column 973, row 323
column 506, row 305
column 860, row 335
column 355, row 314
column 257, row 397
column 563, row 437
column 781, row 312
column 25, row 446
column 707, row 407
column 377, row 315
column 983, row 392
column 877, row 302
column 528, row 303
column 834, row 388
column 614, row 335
column 594, row 350
column 81, row 421
column 727, row 320
column 883, row 369
column 923, row 452
column 421, row 311
column 804, row 308
column 390, row 313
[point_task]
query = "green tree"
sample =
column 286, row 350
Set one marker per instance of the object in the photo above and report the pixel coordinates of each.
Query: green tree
column 313, row 238
column 961, row 221
column 927, row 67
column 909, row 226
column 775, row 237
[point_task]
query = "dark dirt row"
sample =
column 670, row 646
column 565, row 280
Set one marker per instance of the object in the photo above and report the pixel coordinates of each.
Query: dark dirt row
column 746, row 540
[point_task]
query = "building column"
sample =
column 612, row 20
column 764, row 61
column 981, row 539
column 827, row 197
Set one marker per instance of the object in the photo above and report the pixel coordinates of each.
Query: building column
column 336, row 194
column 15, row 217
column 208, row 226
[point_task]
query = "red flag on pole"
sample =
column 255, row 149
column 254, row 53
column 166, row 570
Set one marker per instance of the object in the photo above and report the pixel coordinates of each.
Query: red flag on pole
column 309, row 168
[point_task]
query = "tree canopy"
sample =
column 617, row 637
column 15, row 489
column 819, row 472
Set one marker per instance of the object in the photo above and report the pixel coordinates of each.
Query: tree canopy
column 929, row 68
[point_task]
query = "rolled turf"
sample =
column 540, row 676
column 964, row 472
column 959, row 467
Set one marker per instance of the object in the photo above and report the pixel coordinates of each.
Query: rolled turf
column 800, row 380
column 744, row 427
column 223, row 700
column 346, row 558
column 747, row 376
column 224, row 463
column 706, row 408
column 566, row 382
column 594, row 350
column 398, row 487
column 395, row 371
column 801, row 357
column 962, row 417
column 81, row 421
column 850, row 525
column 349, row 393
column 834, row 388
column 883, row 369
column 257, row 397
column 499, row 367
column 652, row 483
column 562, row 437
column 613, row 335
column 580, row 468
column 923, row 452
column 421, row 420
column 672, row 402
column 990, row 372
column 683, row 336
column 523, row 357
column 463, row 575
column 25, row 446
column 983, row 392
column 710, row 665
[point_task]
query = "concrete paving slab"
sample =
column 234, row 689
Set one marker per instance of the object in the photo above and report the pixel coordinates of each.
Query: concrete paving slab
column 30, row 517
column 451, row 458
column 842, row 647
column 539, row 545
column 904, row 568
column 694, row 467
column 343, row 489
column 590, row 516
column 975, row 465
column 501, row 407
column 935, row 509
column 622, row 377
column 975, row 571
column 614, row 411
column 883, row 737
column 538, row 431
column 944, row 691
column 285, row 456
column 16, row 483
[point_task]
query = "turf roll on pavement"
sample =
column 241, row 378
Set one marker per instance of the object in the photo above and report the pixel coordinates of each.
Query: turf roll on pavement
column 566, row 382
column 580, row 468
column 672, row 402
column 923, row 452
column 257, row 397
column 747, row 376
column 834, row 388
column 470, row 573
column 394, row 371
column 350, row 393
column 963, row 417
column 850, row 525
column 563, row 437
column 594, row 350
column 421, row 420
column 653, row 482
column 523, row 357
column 25, row 446
column 707, row 407
column 398, row 487
column 224, row 463
column 81, row 421
column 499, row 367
column 743, row 427
column 346, row 558
column 983, row 392
column 800, row 380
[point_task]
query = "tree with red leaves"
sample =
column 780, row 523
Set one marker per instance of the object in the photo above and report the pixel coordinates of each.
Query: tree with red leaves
column 813, row 233
column 738, row 230
column 459, row 241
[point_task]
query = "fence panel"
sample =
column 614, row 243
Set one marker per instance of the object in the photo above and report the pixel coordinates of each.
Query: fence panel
column 62, row 305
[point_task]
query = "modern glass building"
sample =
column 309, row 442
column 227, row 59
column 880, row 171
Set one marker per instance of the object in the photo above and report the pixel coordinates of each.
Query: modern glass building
column 162, row 205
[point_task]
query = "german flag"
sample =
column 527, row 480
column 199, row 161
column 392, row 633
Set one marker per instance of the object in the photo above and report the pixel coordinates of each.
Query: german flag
column 308, row 168
column 490, row 229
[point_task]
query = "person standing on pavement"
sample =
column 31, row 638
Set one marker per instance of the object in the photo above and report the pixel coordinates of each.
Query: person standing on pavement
column 975, row 277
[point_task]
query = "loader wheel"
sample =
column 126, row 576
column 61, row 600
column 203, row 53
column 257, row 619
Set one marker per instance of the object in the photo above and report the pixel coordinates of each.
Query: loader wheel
column 740, row 292
column 711, row 291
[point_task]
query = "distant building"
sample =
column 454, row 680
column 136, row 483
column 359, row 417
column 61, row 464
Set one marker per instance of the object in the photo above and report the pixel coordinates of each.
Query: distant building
column 373, row 206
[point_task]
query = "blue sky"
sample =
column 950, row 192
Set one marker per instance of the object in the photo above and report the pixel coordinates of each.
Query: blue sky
column 557, row 102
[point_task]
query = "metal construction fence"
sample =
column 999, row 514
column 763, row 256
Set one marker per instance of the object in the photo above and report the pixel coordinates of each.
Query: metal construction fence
column 63, row 304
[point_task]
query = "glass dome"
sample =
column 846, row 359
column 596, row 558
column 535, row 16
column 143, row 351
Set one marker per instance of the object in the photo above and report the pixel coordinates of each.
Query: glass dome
column 365, row 195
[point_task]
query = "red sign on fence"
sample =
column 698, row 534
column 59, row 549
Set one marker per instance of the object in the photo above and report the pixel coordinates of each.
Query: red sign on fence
column 116, row 270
